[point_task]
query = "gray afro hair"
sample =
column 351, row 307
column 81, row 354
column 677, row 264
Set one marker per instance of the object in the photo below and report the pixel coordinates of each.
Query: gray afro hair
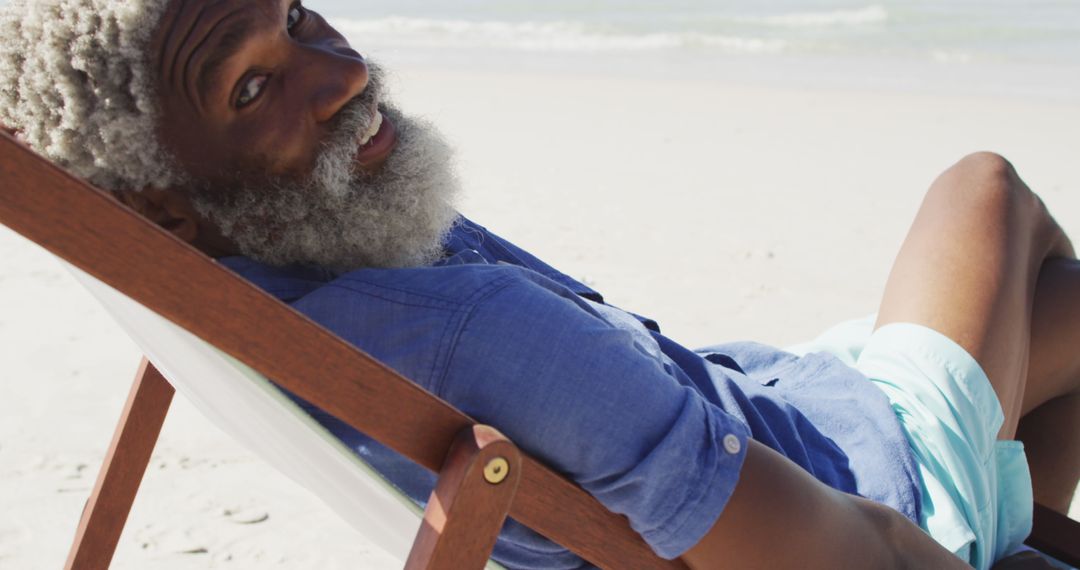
column 76, row 82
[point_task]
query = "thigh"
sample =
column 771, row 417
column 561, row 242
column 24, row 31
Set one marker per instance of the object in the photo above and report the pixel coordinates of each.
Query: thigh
column 968, row 270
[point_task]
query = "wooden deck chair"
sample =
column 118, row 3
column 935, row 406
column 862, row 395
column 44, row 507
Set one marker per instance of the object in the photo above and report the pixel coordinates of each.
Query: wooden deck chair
column 202, row 325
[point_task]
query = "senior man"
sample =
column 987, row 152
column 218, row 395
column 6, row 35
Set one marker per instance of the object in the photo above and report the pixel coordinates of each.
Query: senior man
column 251, row 129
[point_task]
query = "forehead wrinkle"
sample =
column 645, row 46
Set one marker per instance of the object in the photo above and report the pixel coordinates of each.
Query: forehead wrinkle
column 170, row 28
column 179, row 49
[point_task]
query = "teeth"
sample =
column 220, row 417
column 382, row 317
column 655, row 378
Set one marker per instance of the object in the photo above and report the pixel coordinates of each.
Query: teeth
column 373, row 129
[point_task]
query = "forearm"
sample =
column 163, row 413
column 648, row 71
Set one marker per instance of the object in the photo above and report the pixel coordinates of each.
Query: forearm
column 781, row 517
column 900, row 543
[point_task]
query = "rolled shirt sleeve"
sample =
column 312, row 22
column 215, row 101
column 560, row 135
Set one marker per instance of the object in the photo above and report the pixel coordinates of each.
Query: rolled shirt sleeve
column 600, row 404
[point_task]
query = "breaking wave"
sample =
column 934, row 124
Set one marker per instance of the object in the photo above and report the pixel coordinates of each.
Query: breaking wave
column 857, row 17
column 560, row 36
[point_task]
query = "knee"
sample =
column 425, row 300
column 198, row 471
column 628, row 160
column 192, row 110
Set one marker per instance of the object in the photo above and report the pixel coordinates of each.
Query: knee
column 985, row 166
column 985, row 183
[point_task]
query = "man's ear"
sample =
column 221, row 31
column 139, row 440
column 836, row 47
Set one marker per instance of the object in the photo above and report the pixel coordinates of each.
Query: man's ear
column 170, row 209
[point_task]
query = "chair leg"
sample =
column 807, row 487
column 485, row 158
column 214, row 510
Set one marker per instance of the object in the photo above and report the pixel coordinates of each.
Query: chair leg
column 125, row 463
column 467, row 509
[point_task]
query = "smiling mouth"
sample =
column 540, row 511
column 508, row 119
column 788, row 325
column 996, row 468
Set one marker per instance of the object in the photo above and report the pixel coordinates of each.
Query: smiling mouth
column 377, row 143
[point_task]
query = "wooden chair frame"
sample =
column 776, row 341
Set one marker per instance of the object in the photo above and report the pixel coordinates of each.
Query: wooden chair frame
column 89, row 229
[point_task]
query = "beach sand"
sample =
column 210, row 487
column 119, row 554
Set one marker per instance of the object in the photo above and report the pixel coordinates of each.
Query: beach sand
column 723, row 210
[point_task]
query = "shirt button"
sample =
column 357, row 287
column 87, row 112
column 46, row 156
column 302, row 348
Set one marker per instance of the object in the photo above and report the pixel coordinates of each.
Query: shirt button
column 732, row 444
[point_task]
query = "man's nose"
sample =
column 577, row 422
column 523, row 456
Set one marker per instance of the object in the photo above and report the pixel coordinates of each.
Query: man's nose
column 336, row 74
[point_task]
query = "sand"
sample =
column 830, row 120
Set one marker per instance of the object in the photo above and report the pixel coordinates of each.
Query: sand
column 724, row 210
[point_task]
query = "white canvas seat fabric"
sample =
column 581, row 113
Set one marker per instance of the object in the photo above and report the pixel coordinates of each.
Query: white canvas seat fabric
column 245, row 405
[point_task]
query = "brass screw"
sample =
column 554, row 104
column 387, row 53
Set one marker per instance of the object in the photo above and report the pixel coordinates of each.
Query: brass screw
column 496, row 470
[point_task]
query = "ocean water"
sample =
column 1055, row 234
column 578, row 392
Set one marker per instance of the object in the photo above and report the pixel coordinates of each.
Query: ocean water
column 1026, row 48
column 888, row 43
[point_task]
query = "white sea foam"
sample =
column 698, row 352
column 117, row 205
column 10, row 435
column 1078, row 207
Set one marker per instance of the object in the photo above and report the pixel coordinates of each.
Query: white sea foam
column 559, row 36
column 946, row 33
column 862, row 16
column 951, row 56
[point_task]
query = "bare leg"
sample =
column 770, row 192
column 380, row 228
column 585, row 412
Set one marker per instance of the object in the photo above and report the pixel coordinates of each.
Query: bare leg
column 1055, row 355
column 974, row 267
column 1050, row 427
column 1050, row 439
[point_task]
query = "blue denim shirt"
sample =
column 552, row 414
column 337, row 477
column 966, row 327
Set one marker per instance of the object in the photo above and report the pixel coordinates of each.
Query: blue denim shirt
column 655, row 431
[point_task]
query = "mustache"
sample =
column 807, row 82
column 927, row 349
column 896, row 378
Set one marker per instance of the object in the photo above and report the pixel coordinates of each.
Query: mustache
column 335, row 167
column 355, row 117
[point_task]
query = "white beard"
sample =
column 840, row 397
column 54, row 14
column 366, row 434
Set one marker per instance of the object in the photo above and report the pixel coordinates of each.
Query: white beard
column 342, row 219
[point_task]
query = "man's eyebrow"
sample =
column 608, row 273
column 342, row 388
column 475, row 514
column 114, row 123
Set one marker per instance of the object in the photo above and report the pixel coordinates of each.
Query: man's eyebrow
column 234, row 38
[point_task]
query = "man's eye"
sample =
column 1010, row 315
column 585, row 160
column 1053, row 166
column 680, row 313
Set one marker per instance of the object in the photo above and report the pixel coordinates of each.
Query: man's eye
column 250, row 91
column 296, row 13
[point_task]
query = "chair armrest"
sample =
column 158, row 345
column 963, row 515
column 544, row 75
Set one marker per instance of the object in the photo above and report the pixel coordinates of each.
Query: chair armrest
column 1056, row 535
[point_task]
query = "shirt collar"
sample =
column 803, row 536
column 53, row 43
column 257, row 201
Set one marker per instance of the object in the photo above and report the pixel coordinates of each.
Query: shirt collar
column 286, row 283
column 465, row 243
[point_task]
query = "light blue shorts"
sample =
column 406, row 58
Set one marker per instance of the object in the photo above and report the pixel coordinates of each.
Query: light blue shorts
column 976, row 491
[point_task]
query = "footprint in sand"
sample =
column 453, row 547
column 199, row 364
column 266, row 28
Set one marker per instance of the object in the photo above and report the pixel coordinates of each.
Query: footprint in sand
column 245, row 515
